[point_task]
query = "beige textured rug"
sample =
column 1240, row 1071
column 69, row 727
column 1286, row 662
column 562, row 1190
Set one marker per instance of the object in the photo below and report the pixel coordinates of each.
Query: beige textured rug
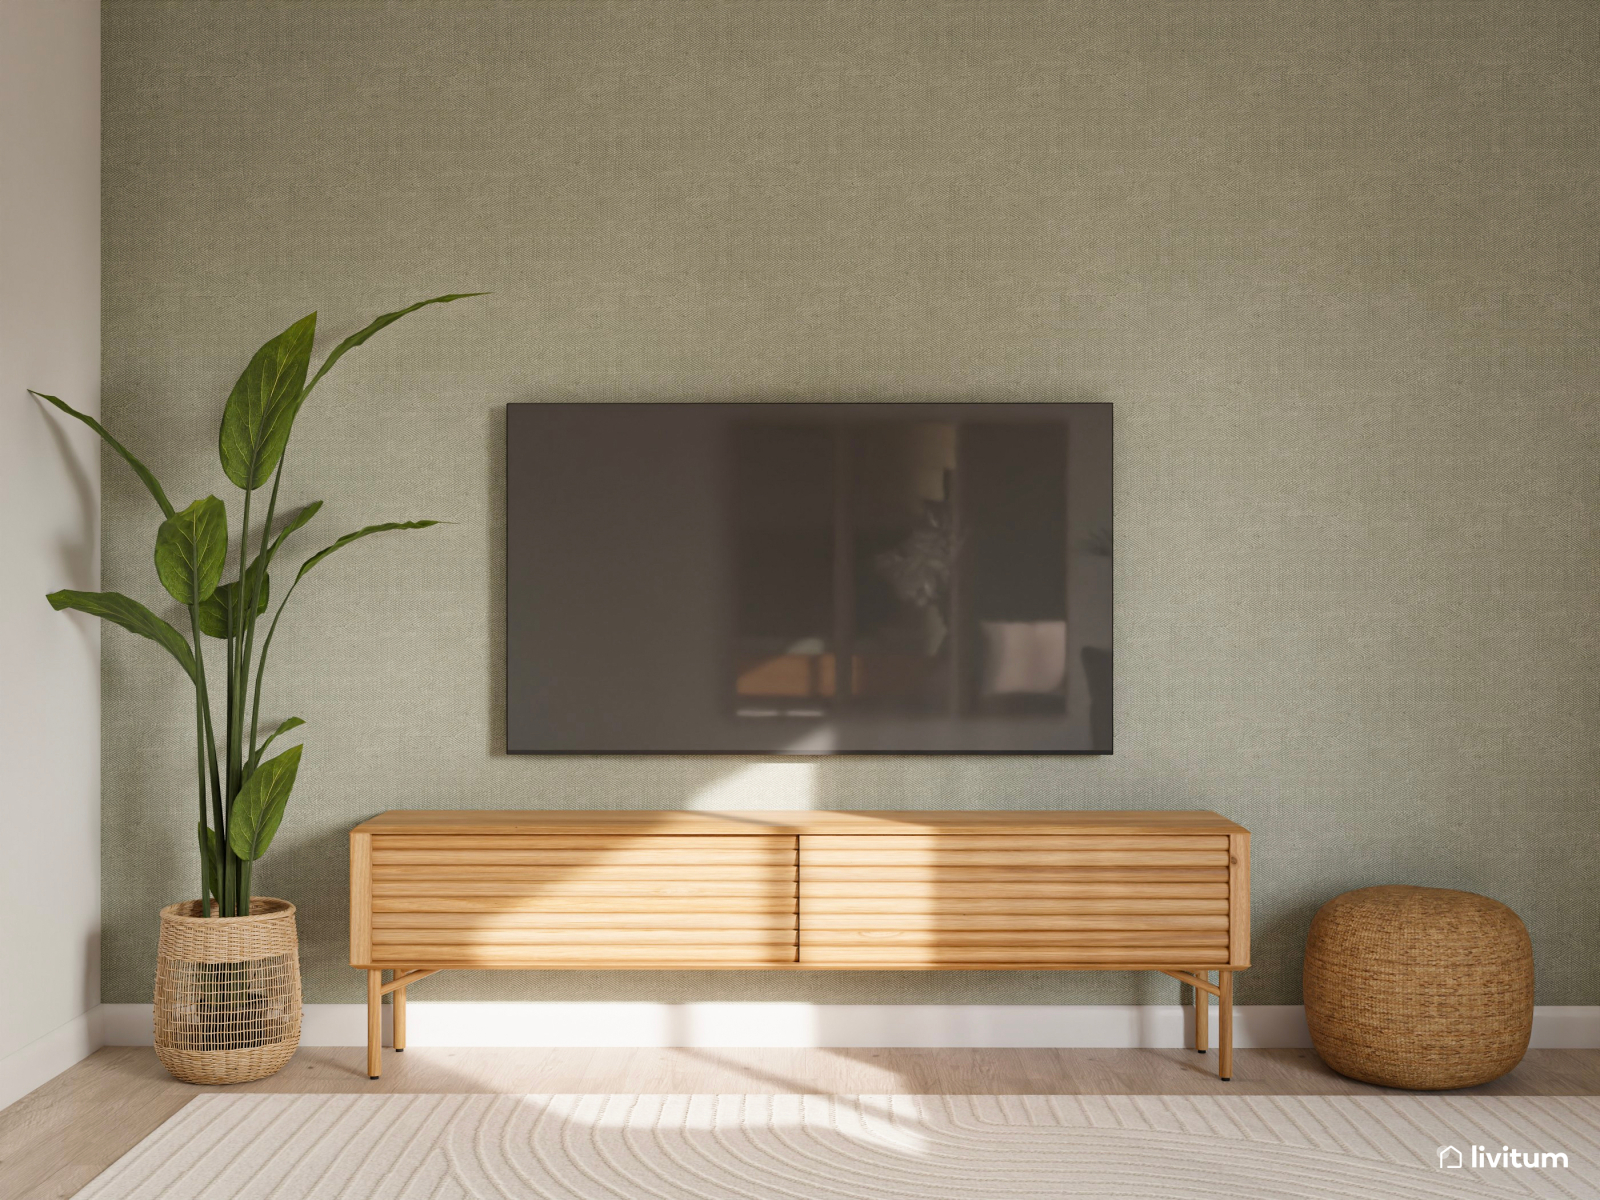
column 430, row 1147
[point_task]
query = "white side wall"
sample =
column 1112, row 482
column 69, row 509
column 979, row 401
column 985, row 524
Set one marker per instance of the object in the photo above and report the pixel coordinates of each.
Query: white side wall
column 49, row 538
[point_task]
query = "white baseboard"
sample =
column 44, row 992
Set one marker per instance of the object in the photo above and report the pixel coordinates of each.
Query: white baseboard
column 723, row 1026
column 1566, row 1027
column 859, row 1026
column 44, row 1058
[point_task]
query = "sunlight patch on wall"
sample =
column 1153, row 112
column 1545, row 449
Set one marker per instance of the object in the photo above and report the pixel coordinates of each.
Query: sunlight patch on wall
column 780, row 785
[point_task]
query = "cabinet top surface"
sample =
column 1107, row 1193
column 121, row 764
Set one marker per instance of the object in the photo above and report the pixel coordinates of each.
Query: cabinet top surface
column 792, row 822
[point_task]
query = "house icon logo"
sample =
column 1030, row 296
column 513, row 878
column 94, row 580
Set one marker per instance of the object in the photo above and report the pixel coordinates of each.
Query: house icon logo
column 1449, row 1158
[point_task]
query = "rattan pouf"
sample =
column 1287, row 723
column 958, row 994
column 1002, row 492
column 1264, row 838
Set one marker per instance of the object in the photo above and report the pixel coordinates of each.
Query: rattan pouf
column 1415, row 987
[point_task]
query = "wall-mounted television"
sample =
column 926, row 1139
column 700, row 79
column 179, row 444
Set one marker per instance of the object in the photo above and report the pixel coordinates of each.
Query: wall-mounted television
column 808, row 579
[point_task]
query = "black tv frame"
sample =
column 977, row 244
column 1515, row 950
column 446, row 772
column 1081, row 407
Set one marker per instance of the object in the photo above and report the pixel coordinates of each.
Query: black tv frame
column 1095, row 418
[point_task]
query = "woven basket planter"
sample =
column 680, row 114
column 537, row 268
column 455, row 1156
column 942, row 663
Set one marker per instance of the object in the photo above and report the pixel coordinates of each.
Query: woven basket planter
column 1416, row 987
column 227, row 992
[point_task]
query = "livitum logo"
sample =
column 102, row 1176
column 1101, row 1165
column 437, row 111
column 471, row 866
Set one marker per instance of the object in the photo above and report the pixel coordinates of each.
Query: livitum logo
column 1482, row 1157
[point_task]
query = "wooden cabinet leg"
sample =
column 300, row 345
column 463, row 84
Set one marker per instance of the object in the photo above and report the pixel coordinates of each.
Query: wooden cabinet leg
column 399, row 1002
column 374, row 1024
column 1225, row 1026
column 1202, row 1016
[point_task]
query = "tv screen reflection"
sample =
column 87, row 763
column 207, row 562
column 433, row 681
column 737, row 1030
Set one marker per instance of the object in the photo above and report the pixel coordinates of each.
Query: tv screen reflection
column 808, row 578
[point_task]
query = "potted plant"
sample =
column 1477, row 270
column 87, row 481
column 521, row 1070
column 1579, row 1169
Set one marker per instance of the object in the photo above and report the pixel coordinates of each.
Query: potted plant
column 227, row 999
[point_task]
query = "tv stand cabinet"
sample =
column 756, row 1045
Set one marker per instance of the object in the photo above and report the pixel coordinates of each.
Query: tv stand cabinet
column 786, row 891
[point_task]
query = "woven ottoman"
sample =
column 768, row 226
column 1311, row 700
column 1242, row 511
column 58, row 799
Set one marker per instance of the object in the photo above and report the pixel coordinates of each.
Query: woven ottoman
column 1422, row 988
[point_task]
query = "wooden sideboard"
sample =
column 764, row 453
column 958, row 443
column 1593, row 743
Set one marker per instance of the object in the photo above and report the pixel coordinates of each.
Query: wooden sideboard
column 769, row 891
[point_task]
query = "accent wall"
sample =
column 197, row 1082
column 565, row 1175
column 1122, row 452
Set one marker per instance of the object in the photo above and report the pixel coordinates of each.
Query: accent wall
column 1333, row 264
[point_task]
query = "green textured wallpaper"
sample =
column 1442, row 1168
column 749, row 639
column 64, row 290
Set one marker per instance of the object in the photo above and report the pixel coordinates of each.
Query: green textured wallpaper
column 1334, row 264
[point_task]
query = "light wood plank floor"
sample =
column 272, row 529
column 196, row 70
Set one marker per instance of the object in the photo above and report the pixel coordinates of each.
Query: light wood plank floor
column 56, row 1139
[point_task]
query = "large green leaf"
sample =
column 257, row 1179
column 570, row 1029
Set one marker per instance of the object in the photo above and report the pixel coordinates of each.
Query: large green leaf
column 139, row 469
column 291, row 723
column 131, row 615
column 260, row 804
column 214, row 613
column 306, row 566
column 214, row 610
column 191, row 547
column 355, row 339
column 262, row 406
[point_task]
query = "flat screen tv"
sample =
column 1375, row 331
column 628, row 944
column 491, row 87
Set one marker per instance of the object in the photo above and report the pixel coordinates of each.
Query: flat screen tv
column 808, row 579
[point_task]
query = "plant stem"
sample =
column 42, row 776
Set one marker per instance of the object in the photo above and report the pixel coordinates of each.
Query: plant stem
column 203, row 703
column 200, row 770
column 272, row 509
column 261, row 667
column 246, row 753
column 225, row 868
column 236, row 688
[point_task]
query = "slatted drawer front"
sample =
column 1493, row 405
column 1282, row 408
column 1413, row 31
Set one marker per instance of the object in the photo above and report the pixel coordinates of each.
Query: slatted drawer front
column 1008, row 900
column 605, row 901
